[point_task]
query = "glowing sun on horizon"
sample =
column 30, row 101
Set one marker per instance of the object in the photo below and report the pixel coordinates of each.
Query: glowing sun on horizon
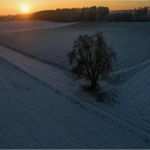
column 24, row 8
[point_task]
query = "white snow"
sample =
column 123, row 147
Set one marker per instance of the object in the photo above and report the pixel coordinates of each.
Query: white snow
column 20, row 26
column 126, row 39
column 42, row 106
column 35, row 113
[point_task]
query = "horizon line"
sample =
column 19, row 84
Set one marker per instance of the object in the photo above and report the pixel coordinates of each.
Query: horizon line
column 111, row 10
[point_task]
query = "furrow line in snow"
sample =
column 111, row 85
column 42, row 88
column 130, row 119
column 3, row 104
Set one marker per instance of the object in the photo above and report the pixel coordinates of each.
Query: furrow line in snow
column 116, row 73
column 56, row 79
column 132, row 68
column 61, row 67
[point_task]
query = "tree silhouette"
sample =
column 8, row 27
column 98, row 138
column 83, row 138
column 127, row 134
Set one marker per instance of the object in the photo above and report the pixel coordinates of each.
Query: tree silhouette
column 91, row 58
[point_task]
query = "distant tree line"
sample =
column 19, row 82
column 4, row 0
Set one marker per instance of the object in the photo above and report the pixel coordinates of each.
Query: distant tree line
column 75, row 14
column 141, row 14
column 93, row 14
column 85, row 14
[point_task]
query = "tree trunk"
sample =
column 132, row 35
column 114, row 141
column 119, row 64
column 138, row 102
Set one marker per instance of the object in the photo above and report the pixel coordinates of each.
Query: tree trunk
column 94, row 84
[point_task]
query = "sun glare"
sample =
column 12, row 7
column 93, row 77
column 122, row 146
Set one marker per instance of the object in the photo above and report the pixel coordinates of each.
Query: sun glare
column 24, row 8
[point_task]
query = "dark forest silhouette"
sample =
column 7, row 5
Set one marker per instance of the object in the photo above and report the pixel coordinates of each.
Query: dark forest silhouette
column 85, row 14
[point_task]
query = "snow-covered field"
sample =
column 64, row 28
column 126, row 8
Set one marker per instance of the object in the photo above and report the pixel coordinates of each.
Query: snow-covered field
column 53, row 45
column 42, row 106
column 20, row 26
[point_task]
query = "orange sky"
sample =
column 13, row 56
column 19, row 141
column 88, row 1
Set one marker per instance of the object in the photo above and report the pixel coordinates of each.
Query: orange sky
column 13, row 6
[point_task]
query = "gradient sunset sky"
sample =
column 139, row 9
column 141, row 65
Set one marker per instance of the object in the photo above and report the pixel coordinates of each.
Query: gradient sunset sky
column 13, row 6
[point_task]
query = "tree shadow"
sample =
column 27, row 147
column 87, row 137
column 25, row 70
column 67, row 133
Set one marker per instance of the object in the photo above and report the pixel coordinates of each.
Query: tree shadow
column 107, row 97
column 102, row 96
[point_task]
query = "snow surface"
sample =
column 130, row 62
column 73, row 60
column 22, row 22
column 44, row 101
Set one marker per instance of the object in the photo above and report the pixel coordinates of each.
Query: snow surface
column 125, row 38
column 35, row 113
column 45, row 107
column 20, row 26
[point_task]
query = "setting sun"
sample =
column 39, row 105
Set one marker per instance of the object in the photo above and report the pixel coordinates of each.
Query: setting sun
column 24, row 8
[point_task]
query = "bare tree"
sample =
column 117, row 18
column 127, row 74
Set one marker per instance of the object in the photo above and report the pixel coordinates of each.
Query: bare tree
column 91, row 58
